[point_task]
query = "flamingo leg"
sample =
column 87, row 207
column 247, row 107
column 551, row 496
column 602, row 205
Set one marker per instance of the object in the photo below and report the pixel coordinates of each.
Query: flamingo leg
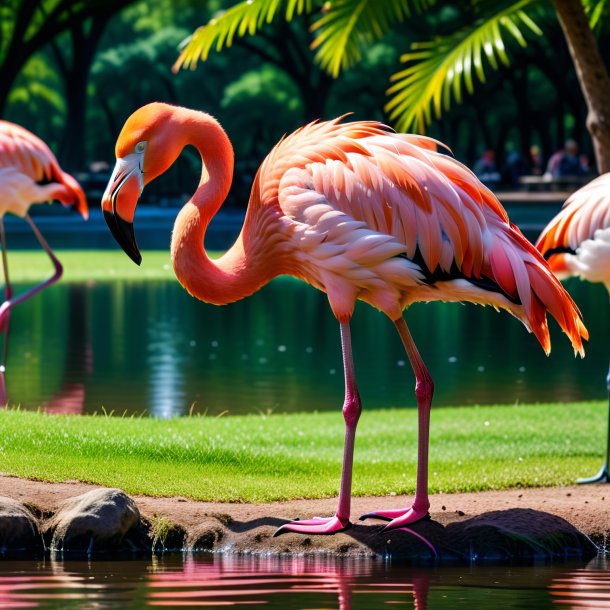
column 603, row 476
column 8, row 293
column 352, row 408
column 12, row 301
column 424, row 389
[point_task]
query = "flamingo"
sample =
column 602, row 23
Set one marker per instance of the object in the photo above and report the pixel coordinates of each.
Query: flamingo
column 29, row 173
column 577, row 243
column 359, row 212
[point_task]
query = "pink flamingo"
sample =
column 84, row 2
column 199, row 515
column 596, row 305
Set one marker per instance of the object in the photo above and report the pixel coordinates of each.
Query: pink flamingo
column 29, row 173
column 359, row 212
column 577, row 243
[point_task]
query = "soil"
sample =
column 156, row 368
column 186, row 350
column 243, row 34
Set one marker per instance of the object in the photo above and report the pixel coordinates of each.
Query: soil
column 585, row 507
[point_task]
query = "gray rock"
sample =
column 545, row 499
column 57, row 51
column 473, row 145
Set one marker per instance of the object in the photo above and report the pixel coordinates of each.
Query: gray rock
column 19, row 530
column 98, row 520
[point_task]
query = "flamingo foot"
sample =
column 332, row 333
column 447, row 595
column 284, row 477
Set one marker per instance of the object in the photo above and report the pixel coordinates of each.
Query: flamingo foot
column 317, row 525
column 398, row 517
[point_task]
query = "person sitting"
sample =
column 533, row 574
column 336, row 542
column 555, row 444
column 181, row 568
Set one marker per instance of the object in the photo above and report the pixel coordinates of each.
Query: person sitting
column 566, row 162
column 485, row 168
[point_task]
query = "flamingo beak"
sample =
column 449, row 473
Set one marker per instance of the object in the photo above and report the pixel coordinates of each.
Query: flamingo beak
column 119, row 203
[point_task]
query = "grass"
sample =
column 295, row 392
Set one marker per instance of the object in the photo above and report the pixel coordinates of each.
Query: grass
column 264, row 458
column 86, row 265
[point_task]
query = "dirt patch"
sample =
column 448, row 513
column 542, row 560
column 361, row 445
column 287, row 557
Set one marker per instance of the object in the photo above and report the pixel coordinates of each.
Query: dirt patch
column 229, row 526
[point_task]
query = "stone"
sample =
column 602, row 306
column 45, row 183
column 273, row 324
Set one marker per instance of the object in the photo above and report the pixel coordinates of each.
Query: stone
column 19, row 529
column 99, row 520
column 519, row 533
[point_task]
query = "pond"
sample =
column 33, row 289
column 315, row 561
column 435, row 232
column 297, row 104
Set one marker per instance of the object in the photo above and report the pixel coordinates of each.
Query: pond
column 221, row 581
column 149, row 348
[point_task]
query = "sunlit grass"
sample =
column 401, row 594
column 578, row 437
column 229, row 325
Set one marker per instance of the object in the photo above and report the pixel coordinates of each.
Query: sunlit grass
column 264, row 458
column 83, row 265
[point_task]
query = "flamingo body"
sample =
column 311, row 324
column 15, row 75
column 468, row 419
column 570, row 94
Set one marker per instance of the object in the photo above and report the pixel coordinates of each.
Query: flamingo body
column 577, row 243
column 358, row 211
column 29, row 174
column 383, row 217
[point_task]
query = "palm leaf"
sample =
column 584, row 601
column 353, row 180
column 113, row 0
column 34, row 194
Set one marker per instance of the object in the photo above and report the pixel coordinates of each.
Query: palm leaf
column 439, row 69
column 245, row 18
column 349, row 25
column 598, row 12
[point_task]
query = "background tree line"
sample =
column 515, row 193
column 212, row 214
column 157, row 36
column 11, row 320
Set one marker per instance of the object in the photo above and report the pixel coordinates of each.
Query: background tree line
column 72, row 71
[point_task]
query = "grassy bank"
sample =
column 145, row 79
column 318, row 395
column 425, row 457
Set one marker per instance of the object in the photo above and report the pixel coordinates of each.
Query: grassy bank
column 84, row 265
column 264, row 458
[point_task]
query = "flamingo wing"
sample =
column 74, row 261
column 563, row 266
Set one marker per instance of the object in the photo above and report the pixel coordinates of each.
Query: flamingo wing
column 577, row 240
column 387, row 218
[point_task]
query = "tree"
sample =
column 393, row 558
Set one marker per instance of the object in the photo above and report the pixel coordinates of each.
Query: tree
column 26, row 26
column 438, row 70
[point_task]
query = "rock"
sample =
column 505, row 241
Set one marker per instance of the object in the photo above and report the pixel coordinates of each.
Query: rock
column 519, row 533
column 19, row 530
column 99, row 520
column 207, row 536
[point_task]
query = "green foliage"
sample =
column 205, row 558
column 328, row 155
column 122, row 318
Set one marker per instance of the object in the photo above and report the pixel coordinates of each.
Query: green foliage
column 38, row 89
column 246, row 17
column 348, row 26
column 160, row 528
column 440, row 68
column 599, row 13
column 342, row 29
column 279, row 457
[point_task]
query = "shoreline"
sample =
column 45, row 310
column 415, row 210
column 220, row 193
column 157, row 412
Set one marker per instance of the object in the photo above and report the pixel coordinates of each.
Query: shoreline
column 586, row 507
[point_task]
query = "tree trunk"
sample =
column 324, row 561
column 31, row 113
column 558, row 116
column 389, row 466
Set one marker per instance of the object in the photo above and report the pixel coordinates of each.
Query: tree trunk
column 76, row 76
column 592, row 75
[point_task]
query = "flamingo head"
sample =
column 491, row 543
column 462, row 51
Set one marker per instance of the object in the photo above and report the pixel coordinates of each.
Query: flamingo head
column 146, row 147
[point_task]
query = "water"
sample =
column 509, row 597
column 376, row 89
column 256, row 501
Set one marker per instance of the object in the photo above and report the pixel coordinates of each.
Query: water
column 148, row 347
column 297, row 583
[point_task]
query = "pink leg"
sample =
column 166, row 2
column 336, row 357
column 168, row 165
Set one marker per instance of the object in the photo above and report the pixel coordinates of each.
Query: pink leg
column 424, row 388
column 8, row 293
column 351, row 413
column 11, row 302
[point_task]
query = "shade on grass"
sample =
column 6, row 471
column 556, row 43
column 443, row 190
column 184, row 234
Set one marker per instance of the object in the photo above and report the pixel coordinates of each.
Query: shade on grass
column 264, row 458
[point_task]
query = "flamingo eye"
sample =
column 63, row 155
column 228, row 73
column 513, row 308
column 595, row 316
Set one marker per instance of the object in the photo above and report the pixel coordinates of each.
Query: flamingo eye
column 140, row 147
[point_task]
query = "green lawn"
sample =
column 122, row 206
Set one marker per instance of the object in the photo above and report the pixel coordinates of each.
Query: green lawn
column 264, row 458
column 83, row 265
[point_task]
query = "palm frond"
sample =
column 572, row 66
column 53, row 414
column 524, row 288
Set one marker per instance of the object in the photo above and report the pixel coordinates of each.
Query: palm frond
column 346, row 26
column 598, row 12
column 438, row 70
column 245, row 18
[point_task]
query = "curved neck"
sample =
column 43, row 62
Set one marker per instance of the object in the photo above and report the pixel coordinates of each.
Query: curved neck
column 235, row 275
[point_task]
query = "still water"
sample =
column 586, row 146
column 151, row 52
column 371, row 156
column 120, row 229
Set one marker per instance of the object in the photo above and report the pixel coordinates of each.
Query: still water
column 298, row 583
column 132, row 347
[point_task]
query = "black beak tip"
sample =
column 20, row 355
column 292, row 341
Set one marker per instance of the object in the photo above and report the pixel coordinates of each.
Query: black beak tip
column 124, row 235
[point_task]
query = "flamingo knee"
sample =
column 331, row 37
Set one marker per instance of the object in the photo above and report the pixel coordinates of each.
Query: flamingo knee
column 352, row 408
column 424, row 388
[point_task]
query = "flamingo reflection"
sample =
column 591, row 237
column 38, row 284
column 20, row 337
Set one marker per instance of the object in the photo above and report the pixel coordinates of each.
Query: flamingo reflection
column 253, row 581
column 584, row 588
column 70, row 398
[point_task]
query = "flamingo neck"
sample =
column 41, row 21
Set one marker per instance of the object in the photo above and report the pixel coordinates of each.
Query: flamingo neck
column 234, row 275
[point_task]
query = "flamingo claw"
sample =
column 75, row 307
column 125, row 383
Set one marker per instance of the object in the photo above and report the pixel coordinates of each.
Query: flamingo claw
column 398, row 517
column 317, row 525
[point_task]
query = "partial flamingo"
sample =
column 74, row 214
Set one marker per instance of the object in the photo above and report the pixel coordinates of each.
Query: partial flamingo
column 359, row 212
column 577, row 243
column 29, row 173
